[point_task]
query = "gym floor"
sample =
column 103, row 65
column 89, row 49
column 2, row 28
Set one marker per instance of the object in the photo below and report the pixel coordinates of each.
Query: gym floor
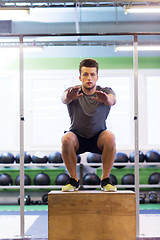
column 36, row 222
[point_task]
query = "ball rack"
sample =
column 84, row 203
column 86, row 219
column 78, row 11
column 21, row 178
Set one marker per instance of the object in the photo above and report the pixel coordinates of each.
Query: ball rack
column 81, row 166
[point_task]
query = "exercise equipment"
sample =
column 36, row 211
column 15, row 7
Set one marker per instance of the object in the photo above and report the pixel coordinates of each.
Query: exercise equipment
column 141, row 157
column 154, row 178
column 88, row 212
column 142, row 198
column 27, row 157
column 39, row 157
column 121, row 158
column 152, row 156
column 113, row 179
column 94, row 158
column 27, row 200
column 91, row 179
column 153, row 197
column 5, row 179
column 42, row 179
column 62, row 179
column 7, row 157
column 45, row 199
column 27, row 180
column 78, row 158
column 55, row 157
column 128, row 179
column 37, row 202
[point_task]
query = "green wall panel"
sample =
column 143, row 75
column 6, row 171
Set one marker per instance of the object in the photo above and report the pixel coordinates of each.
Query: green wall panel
column 52, row 173
column 144, row 173
column 149, row 62
column 73, row 63
column 104, row 63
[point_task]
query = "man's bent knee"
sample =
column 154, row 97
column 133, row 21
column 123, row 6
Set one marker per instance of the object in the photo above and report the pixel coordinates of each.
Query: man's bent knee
column 69, row 139
column 106, row 138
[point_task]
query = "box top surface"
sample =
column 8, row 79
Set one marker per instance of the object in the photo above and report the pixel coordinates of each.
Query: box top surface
column 92, row 192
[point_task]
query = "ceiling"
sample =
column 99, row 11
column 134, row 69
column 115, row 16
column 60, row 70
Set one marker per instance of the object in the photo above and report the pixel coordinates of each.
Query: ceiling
column 54, row 18
column 67, row 3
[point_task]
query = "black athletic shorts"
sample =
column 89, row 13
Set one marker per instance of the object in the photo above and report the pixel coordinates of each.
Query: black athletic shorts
column 88, row 144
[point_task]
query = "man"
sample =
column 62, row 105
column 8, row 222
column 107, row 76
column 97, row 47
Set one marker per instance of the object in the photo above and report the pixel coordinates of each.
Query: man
column 88, row 106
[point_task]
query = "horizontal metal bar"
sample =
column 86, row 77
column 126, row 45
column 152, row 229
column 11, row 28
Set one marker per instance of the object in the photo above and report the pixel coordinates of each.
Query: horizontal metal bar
column 85, row 164
column 61, row 5
column 69, row 1
column 35, row 165
column 33, row 187
column 124, row 164
column 75, row 43
column 127, row 186
column 84, row 186
column 81, row 34
column 149, row 185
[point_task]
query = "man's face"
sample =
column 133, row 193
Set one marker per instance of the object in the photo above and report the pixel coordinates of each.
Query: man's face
column 88, row 77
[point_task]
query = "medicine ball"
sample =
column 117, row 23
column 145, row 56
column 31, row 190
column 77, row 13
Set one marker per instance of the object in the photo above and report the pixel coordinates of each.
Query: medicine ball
column 45, row 199
column 121, row 158
column 41, row 179
column 55, row 157
column 153, row 198
column 113, row 179
column 7, row 157
column 27, row 200
column 152, row 156
column 27, row 157
column 91, row 179
column 27, row 180
column 128, row 179
column 142, row 198
column 141, row 157
column 154, row 178
column 94, row 158
column 78, row 158
column 5, row 179
column 62, row 179
column 38, row 157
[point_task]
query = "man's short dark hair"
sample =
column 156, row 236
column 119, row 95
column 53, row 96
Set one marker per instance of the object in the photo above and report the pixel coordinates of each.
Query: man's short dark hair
column 88, row 62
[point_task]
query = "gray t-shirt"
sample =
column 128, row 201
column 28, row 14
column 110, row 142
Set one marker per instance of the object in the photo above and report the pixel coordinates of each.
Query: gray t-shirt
column 88, row 117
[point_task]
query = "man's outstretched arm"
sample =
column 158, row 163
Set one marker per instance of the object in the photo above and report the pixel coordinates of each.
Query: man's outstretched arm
column 107, row 99
column 71, row 94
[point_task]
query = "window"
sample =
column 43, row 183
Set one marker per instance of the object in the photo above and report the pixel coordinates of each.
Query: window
column 153, row 110
column 9, row 112
column 46, row 118
column 119, row 120
column 48, row 115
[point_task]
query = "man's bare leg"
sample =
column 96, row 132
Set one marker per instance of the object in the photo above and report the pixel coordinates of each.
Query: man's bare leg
column 70, row 145
column 106, row 143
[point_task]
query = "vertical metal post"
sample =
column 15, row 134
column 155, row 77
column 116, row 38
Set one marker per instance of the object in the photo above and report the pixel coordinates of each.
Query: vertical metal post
column 76, row 20
column 81, row 176
column 135, row 61
column 21, row 141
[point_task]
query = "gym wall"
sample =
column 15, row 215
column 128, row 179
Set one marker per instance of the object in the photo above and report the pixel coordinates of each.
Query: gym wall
column 46, row 117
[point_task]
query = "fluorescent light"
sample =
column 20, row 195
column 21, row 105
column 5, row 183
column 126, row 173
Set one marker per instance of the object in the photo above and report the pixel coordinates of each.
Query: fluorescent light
column 15, row 13
column 142, row 9
column 140, row 48
column 33, row 49
column 15, row 50
column 14, row 8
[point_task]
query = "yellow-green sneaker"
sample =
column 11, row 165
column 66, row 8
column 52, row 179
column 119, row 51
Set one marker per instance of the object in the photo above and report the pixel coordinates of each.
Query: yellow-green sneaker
column 71, row 186
column 106, row 185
